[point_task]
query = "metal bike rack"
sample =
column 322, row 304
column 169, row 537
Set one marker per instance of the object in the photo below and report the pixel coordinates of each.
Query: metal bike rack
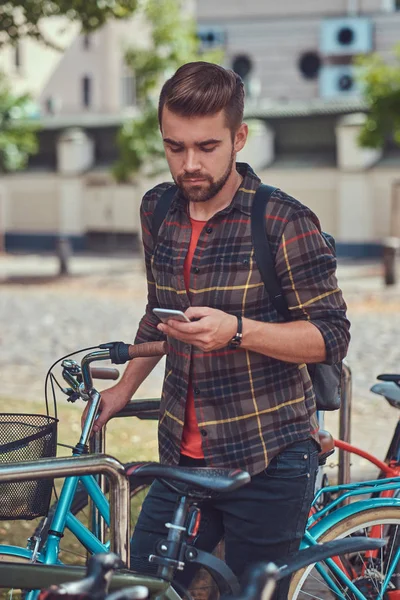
column 46, row 468
column 97, row 445
column 345, row 423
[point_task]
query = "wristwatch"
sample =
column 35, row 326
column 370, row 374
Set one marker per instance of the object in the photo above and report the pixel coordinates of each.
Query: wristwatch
column 237, row 338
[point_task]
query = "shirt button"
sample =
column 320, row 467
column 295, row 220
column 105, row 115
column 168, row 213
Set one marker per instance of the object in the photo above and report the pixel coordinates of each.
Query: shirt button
column 196, row 391
column 203, row 432
column 196, row 270
column 209, row 230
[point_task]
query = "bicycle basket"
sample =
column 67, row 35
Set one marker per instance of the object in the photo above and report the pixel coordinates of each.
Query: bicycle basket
column 26, row 438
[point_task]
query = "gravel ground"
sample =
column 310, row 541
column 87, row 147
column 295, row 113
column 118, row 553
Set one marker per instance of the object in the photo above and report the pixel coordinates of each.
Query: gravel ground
column 43, row 317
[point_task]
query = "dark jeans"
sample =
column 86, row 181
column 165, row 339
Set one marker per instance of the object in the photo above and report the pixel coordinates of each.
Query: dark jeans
column 262, row 521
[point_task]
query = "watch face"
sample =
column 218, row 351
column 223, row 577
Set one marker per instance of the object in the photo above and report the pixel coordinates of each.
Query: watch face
column 235, row 342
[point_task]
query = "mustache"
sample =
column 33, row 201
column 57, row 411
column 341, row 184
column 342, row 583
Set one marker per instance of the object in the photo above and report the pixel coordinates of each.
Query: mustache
column 193, row 176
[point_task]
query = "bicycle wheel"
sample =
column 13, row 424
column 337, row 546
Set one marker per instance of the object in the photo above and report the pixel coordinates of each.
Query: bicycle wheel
column 366, row 572
column 71, row 550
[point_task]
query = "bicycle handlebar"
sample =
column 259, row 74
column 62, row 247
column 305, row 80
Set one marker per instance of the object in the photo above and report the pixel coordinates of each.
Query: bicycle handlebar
column 119, row 352
column 148, row 349
column 104, row 373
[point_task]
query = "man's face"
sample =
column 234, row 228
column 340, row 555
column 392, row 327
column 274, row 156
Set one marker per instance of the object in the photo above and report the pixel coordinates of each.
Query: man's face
column 200, row 152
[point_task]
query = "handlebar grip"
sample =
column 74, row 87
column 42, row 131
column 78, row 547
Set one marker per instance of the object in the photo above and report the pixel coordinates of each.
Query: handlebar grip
column 104, row 373
column 148, row 349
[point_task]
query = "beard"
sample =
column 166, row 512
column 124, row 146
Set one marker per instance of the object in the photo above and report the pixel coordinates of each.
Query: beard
column 198, row 193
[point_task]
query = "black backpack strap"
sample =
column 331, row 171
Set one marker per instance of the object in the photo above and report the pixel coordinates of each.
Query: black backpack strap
column 161, row 209
column 262, row 249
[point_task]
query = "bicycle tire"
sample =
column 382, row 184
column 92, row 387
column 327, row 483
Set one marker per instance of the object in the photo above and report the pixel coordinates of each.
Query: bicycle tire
column 307, row 583
column 69, row 545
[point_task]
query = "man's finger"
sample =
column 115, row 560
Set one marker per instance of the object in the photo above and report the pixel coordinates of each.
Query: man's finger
column 102, row 419
column 197, row 312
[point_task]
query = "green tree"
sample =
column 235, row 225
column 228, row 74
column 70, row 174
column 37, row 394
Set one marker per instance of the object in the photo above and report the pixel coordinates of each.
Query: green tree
column 17, row 134
column 22, row 18
column 173, row 42
column 381, row 85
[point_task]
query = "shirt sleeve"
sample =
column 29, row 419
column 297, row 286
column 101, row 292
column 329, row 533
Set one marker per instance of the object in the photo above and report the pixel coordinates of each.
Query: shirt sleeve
column 147, row 330
column 306, row 267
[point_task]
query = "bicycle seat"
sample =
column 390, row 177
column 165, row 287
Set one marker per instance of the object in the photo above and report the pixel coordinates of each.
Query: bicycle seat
column 142, row 409
column 390, row 377
column 389, row 390
column 327, row 444
column 204, row 478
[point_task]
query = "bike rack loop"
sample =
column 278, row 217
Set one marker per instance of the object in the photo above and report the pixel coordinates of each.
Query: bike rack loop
column 345, row 423
column 46, row 468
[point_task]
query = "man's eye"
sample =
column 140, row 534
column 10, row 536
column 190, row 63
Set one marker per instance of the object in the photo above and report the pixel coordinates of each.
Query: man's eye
column 209, row 149
column 176, row 150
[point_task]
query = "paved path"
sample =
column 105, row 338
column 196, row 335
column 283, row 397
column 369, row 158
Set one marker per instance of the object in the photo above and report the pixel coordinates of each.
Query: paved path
column 43, row 317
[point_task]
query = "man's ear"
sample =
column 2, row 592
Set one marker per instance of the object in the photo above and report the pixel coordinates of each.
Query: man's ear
column 241, row 137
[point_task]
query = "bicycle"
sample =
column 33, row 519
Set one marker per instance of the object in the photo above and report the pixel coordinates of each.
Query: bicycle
column 338, row 519
column 173, row 553
column 259, row 583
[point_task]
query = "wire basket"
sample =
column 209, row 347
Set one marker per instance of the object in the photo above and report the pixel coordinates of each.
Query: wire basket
column 26, row 438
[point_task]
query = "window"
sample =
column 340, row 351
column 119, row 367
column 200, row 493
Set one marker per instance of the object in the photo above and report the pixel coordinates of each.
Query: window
column 86, row 91
column 86, row 41
column 49, row 104
column 17, row 56
column 128, row 88
column 390, row 5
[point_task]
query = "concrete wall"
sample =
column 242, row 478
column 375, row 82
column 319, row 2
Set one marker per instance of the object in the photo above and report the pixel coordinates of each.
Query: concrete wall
column 354, row 207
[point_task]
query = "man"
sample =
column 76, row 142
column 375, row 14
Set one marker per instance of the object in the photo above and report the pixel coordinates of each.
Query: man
column 236, row 391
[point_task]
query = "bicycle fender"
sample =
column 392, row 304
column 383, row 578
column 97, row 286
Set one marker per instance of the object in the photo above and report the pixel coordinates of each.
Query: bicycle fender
column 224, row 577
column 344, row 512
column 18, row 551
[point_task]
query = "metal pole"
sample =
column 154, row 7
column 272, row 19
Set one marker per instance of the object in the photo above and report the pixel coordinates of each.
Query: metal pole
column 46, row 468
column 345, row 424
column 97, row 445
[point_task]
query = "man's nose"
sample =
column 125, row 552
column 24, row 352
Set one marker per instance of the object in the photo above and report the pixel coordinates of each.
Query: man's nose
column 192, row 163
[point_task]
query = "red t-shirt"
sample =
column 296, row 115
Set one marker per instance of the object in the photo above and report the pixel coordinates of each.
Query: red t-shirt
column 191, row 438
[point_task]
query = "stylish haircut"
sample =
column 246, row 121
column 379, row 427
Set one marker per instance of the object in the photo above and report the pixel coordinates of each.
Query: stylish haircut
column 202, row 88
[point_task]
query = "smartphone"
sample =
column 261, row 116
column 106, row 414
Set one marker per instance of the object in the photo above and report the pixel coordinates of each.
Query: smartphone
column 168, row 313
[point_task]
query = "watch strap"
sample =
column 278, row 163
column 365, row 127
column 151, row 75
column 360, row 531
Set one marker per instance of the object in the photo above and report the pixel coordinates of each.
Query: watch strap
column 237, row 338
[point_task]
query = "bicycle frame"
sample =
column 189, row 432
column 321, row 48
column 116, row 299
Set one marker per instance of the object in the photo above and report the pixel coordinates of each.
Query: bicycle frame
column 63, row 518
column 322, row 520
column 61, row 467
column 388, row 470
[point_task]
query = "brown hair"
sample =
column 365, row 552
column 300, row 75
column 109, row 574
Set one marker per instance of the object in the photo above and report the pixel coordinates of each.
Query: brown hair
column 202, row 88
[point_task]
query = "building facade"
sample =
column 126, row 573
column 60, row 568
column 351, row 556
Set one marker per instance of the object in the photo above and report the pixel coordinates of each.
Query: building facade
column 303, row 104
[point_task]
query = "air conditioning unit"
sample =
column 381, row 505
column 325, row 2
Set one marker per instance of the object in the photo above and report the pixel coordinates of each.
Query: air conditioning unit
column 211, row 37
column 337, row 81
column 348, row 35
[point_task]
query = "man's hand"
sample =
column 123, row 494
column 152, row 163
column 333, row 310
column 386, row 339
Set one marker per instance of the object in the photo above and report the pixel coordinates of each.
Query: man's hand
column 210, row 328
column 111, row 402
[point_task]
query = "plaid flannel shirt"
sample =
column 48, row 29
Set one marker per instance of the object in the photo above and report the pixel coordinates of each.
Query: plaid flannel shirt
column 249, row 406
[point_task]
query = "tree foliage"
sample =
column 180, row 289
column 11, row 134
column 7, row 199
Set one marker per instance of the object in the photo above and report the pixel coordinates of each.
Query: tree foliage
column 174, row 41
column 22, row 18
column 381, row 85
column 17, row 134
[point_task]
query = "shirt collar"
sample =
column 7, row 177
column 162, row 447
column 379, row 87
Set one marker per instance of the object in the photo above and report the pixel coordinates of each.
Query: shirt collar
column 242, row 200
